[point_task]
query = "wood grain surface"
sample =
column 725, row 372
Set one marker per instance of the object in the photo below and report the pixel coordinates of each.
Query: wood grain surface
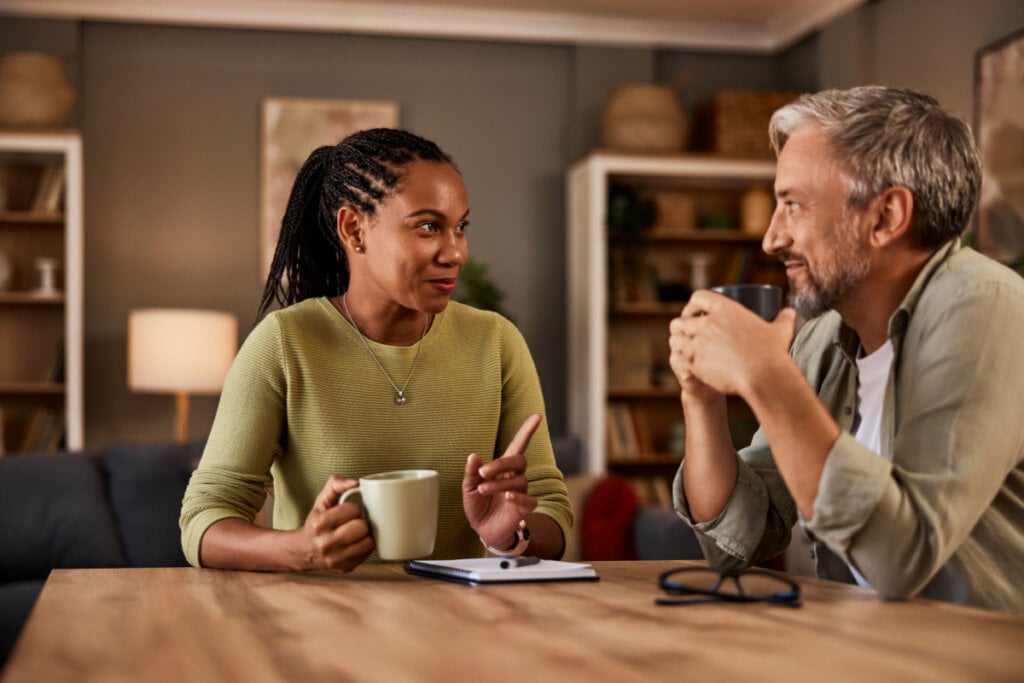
column 379, row 624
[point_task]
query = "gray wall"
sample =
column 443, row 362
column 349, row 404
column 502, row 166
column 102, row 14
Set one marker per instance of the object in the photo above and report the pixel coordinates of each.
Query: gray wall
column 928, row 45
column 171, row 130
column 170, row 122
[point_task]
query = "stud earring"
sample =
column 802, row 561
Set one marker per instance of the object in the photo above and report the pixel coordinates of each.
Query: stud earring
column 360, row 249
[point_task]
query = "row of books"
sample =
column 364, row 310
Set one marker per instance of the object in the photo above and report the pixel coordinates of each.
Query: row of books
column 653, row 491
column 628, row 434
column 32, row 187
column 49, row 189
column 44, row 431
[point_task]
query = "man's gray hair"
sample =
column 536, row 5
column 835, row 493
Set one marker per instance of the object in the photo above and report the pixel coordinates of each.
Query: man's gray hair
column 884, row 137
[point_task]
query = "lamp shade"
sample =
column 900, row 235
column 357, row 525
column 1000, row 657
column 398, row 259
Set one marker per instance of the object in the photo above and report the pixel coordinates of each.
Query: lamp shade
column 180, row 350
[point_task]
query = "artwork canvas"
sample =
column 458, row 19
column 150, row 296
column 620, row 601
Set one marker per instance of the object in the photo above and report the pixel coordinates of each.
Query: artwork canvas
column 291, row 129
column 999, row 101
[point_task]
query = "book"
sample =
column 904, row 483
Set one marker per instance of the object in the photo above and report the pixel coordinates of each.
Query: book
column 46, row 198
column 613, row 445
column 33, row 429
column 642, row 429
column 662, row 493
column 53, row 370
column 626, row 446
column 475, row 571
column 51, row 433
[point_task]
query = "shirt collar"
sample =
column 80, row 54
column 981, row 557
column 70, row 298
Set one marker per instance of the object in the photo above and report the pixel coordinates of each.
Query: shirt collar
column 848, row 341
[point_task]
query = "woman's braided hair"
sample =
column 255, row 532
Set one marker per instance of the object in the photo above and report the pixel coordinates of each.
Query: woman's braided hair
column 361, row 170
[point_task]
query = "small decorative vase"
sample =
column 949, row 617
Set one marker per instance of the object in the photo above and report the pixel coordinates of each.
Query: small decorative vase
column 47, row 268
column 756, row 208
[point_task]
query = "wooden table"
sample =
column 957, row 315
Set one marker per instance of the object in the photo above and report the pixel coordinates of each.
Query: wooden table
column 380, row 624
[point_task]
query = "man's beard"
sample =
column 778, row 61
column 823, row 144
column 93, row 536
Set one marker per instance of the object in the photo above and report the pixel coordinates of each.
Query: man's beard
column 826, row 288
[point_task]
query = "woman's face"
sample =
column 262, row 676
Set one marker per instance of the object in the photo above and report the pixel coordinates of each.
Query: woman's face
column 415, row 242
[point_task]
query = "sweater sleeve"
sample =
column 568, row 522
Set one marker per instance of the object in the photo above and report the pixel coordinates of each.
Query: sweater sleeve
column 521, row 396
column 246, row 436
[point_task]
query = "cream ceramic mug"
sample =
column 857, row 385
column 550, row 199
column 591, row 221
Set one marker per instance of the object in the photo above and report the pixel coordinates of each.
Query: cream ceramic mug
column 401, row 508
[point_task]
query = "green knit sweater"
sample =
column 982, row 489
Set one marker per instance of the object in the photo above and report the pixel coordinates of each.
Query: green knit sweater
column 304, row 400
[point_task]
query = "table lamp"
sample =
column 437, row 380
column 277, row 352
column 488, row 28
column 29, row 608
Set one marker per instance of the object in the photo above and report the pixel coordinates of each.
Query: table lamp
column 182, row 352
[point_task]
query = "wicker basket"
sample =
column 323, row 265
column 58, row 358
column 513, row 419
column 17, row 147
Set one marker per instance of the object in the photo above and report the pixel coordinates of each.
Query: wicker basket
column 735, row 122
column 675, row 213
column 644, row 118
column 33, row 91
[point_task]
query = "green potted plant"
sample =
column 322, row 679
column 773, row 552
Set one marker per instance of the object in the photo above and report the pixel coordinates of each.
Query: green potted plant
column 476, row 288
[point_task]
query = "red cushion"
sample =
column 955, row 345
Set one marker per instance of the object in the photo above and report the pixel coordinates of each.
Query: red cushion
column 606, row 530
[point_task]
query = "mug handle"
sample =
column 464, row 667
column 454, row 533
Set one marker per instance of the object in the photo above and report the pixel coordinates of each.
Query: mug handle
column 348, row 494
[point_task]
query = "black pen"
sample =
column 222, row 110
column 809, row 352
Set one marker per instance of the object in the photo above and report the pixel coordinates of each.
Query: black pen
column 512, row 562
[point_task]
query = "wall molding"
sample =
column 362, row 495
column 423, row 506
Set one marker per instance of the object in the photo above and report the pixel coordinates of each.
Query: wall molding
column 390, row 18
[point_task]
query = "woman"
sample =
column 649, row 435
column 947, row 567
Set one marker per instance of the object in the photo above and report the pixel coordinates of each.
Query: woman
column 369, row 367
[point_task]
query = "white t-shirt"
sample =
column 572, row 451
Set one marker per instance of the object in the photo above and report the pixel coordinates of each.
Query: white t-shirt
column 873, row 377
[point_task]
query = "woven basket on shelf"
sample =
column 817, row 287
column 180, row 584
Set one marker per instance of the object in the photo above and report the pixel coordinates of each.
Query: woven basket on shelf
column 735, row 122
column 34, row 91
column 644, row 118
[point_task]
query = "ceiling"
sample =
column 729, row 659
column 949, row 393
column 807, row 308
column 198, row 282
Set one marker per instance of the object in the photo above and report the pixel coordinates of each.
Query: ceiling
column 759, row 26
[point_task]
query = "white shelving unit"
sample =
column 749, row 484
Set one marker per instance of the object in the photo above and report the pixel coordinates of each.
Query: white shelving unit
column 587, row 263
column 35, row 325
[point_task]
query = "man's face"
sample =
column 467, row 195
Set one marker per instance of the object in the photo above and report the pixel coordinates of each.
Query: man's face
column 812, row 231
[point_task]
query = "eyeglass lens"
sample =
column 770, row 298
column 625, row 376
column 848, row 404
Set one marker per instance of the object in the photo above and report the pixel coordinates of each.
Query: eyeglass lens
column 749, row 584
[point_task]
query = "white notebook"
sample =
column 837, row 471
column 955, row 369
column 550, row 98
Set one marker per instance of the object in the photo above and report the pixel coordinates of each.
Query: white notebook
column 489, row 570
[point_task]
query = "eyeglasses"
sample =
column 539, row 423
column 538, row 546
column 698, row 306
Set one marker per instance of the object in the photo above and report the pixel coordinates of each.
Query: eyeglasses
column 698, row 585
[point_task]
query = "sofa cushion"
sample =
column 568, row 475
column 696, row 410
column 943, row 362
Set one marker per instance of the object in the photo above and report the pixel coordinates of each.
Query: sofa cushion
column 53, row 513
column 147, row 483
column 17, row 599
column 663, row 535
column 569, row 456
column 579, row 487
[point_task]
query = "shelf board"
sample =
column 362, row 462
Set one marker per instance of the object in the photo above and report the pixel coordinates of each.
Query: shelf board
column 31, row 388
column 733, row 235
column 656, row 308
column 647, row 460
column 21, row 217
column 30, row 298
column 643, row 392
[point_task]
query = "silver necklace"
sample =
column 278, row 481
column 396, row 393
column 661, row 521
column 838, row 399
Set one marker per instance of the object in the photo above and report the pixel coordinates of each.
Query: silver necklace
column 400, row 398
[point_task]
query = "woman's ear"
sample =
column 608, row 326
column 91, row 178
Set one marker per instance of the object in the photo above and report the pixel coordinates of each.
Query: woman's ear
column 350, row 227
column 895, row 215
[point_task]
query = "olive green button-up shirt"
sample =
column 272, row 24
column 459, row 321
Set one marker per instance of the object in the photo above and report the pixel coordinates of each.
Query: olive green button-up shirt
column 940, row 511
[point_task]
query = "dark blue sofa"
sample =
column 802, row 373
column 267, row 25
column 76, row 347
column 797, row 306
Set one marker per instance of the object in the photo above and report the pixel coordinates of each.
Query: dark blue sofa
column 113, row 508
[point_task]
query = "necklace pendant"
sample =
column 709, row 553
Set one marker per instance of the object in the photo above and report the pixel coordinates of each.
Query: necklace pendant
column 400, row 398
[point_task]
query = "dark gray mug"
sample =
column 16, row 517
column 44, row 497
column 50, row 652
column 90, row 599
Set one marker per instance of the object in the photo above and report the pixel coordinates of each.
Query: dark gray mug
column 765, row 300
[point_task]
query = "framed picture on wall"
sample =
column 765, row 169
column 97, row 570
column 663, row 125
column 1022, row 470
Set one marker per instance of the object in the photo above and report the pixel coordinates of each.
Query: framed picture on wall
column 292, row 128
column 999, row 120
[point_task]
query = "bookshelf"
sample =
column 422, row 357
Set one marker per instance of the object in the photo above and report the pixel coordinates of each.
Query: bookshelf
column 624, row 290
column 41, row 378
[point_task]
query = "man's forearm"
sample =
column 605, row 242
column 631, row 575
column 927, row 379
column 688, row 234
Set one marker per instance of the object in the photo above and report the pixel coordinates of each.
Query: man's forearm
column 709, row 469
column 798, row 427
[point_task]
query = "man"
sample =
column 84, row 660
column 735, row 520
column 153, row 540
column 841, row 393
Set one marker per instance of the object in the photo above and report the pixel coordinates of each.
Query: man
column 894, row 426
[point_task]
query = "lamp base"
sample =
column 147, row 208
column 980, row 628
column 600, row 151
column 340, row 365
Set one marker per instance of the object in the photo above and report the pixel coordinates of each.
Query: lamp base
column 181, row 418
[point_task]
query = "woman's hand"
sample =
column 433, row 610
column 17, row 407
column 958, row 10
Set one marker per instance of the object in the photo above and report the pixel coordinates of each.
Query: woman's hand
column 333, row 536
column 494, row 495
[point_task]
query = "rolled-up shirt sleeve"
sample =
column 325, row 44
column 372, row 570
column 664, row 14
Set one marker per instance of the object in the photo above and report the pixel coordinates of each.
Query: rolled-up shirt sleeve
column 960, row 436
column 756, row 521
